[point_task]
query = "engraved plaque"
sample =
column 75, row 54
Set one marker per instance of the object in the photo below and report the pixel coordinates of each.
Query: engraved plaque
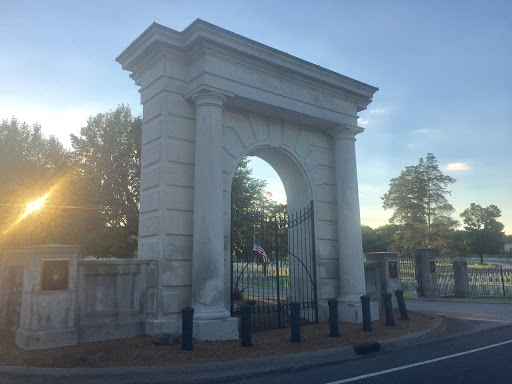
column 432, row 267
column 393, row 269
column 54, row 275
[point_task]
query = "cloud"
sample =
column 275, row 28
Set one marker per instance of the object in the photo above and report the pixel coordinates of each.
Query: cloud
column 362, row 122
column 378, row 111
column 411, row 146
column 457, row 167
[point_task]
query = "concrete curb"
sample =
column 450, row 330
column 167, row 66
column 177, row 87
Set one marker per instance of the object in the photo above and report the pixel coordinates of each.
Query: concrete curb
column 230, row 368
column 458, row 300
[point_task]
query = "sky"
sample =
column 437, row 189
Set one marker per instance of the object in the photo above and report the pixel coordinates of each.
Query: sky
column 443, row 69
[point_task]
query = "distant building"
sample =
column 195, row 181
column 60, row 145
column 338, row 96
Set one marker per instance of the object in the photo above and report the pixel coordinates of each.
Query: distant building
column 507, row 247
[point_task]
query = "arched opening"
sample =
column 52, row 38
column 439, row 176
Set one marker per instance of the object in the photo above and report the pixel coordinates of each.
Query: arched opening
column 272, row 242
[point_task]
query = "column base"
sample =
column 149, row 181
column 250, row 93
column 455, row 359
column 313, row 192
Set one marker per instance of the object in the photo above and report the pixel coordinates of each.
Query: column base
column 219, row 329
column 430, row 292
column 47, row 339
column 353, row 312
column 172, row 326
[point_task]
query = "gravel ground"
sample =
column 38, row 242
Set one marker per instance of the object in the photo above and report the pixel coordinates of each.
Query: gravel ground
column 140, row 351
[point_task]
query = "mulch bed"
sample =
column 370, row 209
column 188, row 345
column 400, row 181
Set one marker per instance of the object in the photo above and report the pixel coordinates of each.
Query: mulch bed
column 140, row 351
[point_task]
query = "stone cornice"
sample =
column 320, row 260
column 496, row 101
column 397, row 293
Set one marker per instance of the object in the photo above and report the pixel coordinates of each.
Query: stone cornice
column 133, row 57
column 344, row 132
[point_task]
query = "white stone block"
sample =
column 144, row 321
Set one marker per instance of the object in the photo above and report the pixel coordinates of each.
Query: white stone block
column 178, row 247
column 181, row 151
column 353, row 312
column 173, row 302
column 290, row 134
column 177, row 273
column 326, row 193
column 303, row 145
column 150, row 177
column 328, row 269
column 327, row 249
column 259, row 127
column 328, row 288
column 232, row 143
column 151, row 131
column 179, row 222
column 240, row 123
column 325, row 211
column 222, row 329
column 326, row 230
column 179, row 127
column 149, row 201
column 180, row 198
column 324, row 175
column 179, row 174
column 154, row 108
column 151, row 154
column 316, row 158
column 148, row 248
column 275, row 132
column 149, row 224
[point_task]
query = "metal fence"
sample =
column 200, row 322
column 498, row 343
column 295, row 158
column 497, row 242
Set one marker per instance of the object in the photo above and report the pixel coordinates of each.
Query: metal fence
column 484, row 280
column 445, row 277
column 490, row 281
column 408, row 275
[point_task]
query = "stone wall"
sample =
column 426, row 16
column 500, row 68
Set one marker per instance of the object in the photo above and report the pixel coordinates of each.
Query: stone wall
column 11, row 287
column 102, row 299
column 111, row 298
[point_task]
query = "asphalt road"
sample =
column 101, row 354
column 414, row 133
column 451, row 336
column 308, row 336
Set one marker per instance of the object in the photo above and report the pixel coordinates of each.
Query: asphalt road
column 490, row 365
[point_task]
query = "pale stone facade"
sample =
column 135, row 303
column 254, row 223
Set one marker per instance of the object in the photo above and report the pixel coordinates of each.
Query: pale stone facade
column 210, row 98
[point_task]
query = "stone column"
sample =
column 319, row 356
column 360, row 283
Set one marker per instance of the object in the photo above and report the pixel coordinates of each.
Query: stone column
column 426, row 274
column 460, row 275
column 212, row 320
column 350, row 246
column 48, row 301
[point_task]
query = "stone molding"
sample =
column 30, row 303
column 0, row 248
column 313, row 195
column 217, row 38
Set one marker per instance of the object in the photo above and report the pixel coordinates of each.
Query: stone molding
column 344, row 132
column 208, row 98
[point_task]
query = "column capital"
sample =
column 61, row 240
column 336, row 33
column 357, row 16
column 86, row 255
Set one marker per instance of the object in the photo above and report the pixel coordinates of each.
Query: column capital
column 344, row 132
column 206, row 95
column 208, row 98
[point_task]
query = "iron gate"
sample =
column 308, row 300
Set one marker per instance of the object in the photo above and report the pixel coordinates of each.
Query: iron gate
column 288, row 274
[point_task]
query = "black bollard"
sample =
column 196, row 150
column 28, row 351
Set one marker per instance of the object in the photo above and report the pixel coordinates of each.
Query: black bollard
column 333, row 318
column 187, row 316
column 367, row 316
column 401, row 304
column 388, row 308
column 245, row 325
column 295, row 314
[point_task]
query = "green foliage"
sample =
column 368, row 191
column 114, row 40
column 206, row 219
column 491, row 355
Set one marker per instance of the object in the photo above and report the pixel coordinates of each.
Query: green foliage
column 379, row 239
column 252, row 208
column 484, row 231
column 31, row 165
column 418, row 198
column 107, row 158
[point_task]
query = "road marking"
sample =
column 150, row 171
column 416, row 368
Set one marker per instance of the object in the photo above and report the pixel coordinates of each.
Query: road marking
column 417, row 364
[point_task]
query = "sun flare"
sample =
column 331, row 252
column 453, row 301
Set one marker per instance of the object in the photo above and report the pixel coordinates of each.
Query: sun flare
column 35, row 205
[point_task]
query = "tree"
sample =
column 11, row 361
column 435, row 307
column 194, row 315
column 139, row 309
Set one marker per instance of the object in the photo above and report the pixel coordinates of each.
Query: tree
column 484, row 232
column 33, row 166
column 418, row 198
column 379, row 239
column 107, row 158
column 253, row 214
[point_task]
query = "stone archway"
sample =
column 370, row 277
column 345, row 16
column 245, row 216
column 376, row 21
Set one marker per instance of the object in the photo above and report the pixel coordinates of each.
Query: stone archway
column 211, row 97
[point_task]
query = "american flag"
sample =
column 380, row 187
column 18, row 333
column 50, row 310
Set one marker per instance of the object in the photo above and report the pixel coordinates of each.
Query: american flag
column 258, row 248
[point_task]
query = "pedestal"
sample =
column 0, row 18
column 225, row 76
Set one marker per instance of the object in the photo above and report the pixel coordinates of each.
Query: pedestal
column 353, row 312
column 219, row 329
column 48, row 302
